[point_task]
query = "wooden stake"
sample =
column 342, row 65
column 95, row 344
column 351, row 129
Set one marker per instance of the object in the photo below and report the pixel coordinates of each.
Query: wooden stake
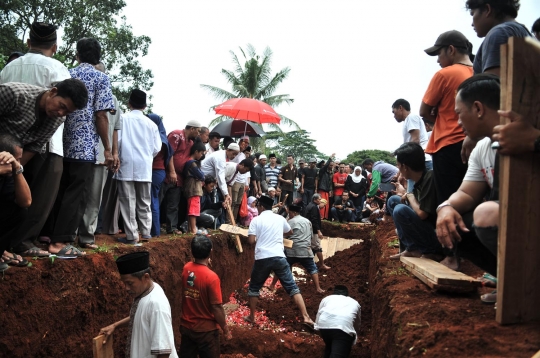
column 103, row 350
column 518, row 289
column 235, row 237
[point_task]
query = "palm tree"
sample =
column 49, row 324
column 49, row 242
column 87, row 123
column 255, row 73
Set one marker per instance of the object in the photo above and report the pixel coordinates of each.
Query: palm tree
column 253, row 80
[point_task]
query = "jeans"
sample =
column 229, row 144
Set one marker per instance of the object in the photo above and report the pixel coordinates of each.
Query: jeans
column 307, row 263
column 261, row 270
column 415, row 234
column 337, row 343
column 307, row 196
column 208, row 217
column 158, row 176
column 343, row 215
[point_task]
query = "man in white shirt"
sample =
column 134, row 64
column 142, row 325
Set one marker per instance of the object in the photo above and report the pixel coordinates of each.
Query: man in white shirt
column 266, row 231
column 214, row 164
column 139, row 142
column 413, row 129
column 213, row 142
column 241, row 183
column 338, row 321
column 44, row 171
column 150, row 332
column 466, row 219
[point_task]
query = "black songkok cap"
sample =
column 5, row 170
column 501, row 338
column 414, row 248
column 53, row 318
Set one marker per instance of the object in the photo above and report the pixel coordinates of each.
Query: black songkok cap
column 295, row 208
column 42, row 32
column 266, row 202
column 134, row 262
column 137, row 98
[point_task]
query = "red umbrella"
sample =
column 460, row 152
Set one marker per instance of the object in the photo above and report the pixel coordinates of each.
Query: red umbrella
column 248, row 109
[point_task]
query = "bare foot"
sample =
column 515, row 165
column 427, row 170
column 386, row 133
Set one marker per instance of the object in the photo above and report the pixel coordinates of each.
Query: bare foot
column 249, row 319
column 56, row 247
column 451, row 262
column 324, row 267
column 320, row 290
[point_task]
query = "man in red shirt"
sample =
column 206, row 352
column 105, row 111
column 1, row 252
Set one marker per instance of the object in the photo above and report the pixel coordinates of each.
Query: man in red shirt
column 339, row 180
column 181, row 141
column 202, row 309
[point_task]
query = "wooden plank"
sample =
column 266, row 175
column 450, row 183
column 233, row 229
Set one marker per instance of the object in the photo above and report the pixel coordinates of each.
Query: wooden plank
column 439, row 274
column 537, row 355
column 235, row 237
column 437, row 286
column 235, row 230
column 518, row 291
column 102, row 350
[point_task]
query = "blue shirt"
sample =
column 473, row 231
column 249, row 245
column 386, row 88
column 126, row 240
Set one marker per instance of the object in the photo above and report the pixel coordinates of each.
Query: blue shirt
column 80, row 135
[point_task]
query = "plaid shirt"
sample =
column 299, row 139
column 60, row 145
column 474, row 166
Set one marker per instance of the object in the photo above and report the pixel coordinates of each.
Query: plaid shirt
column 20, row 115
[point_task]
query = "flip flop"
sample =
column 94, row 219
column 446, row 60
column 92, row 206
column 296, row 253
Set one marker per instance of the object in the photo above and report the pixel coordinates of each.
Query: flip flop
column 248, row 320
column 309, row 326
column 10, row 259
column 128, row 242
column 75, row 252
column 34, row 252
column 489, row 298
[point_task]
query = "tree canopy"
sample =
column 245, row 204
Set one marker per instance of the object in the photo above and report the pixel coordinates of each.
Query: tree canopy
column 253, row 79
column 357, row 157
column 297, row 143
column 77, row 19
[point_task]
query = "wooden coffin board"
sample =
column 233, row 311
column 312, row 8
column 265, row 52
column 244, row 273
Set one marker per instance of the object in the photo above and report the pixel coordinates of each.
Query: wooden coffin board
column 438, row 274
column 103, row 350
column 235, row 230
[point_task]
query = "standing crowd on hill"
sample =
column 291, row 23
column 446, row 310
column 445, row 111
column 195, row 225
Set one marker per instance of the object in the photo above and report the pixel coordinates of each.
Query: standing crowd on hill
column 72, row 165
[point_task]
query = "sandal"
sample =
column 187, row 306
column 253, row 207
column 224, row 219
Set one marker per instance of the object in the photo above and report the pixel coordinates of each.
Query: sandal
column 310, row 326
column 89, row 246
column 12, row 259
column 488, row 280
column 74, row 252
column 128, row 242
column 35, row 252
column 489, row 298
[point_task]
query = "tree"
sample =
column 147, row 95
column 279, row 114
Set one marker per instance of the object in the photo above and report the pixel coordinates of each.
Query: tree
column 297, row 143
column 358, row 156
column 253, row 80
column 77, row 19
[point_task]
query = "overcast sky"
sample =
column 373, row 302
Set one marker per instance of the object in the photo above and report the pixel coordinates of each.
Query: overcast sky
column 349, row 61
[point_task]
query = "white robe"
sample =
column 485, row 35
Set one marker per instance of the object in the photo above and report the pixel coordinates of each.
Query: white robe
column 152, row 332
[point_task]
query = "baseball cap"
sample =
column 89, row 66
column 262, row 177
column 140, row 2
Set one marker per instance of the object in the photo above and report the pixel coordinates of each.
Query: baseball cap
column 313, row 160
column 454, row 38
column 301, row 161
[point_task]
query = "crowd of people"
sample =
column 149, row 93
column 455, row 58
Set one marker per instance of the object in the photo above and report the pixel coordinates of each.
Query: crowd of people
column 73, row 165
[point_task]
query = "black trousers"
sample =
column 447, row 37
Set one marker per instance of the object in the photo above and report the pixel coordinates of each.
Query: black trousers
column 473, row 250
column 70, row 202
column 42, row 173
column 448, row 170
column 199, row 344
column 289, row 198
column 337, row 343
column 11, row 218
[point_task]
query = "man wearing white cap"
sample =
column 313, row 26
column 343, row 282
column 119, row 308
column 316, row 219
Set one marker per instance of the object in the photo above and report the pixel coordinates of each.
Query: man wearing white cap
column 215, row 164
column 181, row 141
column 150, row 332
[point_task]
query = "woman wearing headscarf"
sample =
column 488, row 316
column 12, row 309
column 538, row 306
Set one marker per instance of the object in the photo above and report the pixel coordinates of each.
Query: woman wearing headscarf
column 356, row 184
column 161, row 161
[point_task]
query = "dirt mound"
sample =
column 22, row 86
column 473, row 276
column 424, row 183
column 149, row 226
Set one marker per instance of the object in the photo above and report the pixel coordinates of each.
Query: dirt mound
column 409, row 319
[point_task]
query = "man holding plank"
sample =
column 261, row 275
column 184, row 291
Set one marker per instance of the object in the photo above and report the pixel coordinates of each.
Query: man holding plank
column 266, row 231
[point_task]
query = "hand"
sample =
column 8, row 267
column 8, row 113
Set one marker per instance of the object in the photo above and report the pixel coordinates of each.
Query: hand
column 301, row 191
column 259, row 193
column 516, row 137
column 448, row 220
column 107, row 331
column 400, row 190
column 404, row 199
column 7, row 158
column 227, row 201
column 320, row 235
column 109, row 160
column 116, row 163
column 246, row 189
column 171, row 178
column 333, row 155
column 466, row 149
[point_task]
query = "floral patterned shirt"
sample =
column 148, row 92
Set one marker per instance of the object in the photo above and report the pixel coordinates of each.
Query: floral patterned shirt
column 80, row 135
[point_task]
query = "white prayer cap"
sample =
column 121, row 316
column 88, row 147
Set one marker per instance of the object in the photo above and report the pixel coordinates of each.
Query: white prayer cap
column 234, row 146
column 271, row 189
column 262, row 156
column 194, row 123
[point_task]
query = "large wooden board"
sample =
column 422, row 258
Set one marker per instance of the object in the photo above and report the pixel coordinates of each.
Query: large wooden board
column 436, row 286
column 103, row 350
column 439, row 274
column 518, row 291
column 537, row 355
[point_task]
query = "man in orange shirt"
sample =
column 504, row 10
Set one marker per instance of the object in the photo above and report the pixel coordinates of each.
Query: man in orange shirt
column 452, row 49
column 339, row 180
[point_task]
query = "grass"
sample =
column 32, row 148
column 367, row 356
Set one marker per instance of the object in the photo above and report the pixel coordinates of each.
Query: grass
column 393, row 243
column 398, row 272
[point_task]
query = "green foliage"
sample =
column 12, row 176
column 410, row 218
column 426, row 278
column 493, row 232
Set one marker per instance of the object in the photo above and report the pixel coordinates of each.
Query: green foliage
column 77, row 19
column 253, row 79
column 297, row 143
column 357, row 157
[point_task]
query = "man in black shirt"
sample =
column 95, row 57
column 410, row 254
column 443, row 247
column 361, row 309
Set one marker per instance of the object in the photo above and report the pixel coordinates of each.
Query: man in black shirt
column 415, row 213
column 343, row 209
column 261, row 174
column 313, row 214
column 287, row 178
column 309, row 180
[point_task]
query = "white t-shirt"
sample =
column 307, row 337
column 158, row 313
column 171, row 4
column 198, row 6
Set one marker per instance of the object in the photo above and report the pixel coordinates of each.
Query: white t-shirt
column 482, row 163
column 269, row 229
column 338, row 312
column 413, row 122
column 152, row 326
column 39, row 70
column 241, row 178
column 215, row 164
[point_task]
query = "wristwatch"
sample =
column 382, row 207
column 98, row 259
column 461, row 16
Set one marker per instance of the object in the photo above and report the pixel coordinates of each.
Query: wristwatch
column 537, row 145
column 20, row 170
column 442, row 206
